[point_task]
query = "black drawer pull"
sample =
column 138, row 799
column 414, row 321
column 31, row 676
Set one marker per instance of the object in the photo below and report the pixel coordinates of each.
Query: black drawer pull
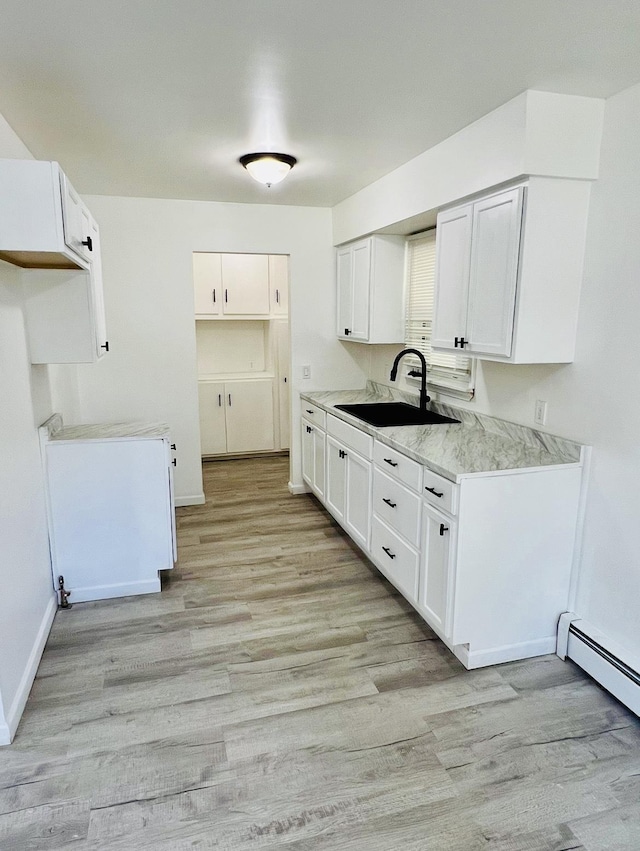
column 390, row 462
column 434, row 492
column 389, row 503
column 309, row 411
column 388, row 552
column 443, row 528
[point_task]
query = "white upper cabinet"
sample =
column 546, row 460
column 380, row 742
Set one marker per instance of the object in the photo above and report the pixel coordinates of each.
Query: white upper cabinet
column 43, row 222
column 370, row 287
column 509, row 271
column 232, row 286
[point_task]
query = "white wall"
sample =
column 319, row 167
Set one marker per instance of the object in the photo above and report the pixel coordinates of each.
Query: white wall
column 26, row 393
column 151, row 369
column 536, row 133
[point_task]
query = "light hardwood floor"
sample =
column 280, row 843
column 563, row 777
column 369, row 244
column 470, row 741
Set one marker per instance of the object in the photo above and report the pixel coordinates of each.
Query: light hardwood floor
column 280, row 694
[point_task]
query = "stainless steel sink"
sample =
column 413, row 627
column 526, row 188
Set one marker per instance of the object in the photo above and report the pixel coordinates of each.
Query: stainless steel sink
column 381, row 414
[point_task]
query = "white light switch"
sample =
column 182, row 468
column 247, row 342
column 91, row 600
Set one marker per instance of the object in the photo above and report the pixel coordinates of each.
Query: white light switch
column 540, row 415
column 306, row 372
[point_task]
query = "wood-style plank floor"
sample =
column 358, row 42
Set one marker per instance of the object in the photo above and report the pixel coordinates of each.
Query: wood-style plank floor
column 280, row 694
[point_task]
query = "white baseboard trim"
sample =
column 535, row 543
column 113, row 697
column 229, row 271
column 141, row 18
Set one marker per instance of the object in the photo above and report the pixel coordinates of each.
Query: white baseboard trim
column 122, row 589
column 196, row 499
column 8, row 729
column 508, row 653
column 298, row 489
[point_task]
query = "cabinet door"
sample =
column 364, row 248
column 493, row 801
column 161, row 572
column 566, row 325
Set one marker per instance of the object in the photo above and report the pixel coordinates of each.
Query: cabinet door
column 245, row 279
column 281, row 331
column 344, row 267
column 453, row 253
column 358, row 498
column 97, row 291
column 213, row 432
column 495, row 248
column 249, row 415
column 361, row 289
column 319, row 462
column 336, row 492
column 279, row 284
column 75, row 219
column 308, row 453
column 436, row 569
column 207, row 283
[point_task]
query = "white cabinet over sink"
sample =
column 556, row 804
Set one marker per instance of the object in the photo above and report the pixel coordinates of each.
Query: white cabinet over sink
column 509, row 272
column 370, row 286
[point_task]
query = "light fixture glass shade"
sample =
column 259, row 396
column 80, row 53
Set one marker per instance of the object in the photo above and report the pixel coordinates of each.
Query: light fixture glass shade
column 268, row 168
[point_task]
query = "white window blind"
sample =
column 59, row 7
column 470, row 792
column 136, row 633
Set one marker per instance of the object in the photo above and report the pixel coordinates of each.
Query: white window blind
column 451, row 372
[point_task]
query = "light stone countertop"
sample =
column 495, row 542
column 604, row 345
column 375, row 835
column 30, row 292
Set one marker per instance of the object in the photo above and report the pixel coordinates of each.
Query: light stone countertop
column 478, row 444
column 104, row 431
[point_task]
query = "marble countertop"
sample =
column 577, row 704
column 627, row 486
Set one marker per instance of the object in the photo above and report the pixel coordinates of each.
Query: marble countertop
column 104, row 431
column 478, row 444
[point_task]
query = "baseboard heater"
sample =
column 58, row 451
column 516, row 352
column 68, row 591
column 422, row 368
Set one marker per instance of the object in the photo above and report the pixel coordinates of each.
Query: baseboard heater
column 609, row 664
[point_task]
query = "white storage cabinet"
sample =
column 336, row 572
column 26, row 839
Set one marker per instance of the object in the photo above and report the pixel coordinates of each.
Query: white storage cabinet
column 314, row 443
column 111, row 514
column 231, row 285
column 348, row 491
column 370, row 290
column 509, row 272
column 236, row 416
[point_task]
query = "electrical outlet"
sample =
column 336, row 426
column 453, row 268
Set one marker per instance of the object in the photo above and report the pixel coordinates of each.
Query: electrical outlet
column 540, row 415
column 306, row 372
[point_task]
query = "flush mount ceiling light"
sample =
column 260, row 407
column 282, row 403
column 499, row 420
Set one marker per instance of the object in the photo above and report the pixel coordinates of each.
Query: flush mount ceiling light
column 268, row 168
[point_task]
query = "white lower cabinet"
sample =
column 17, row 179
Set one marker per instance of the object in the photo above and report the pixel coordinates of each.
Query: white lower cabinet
column 398, row 561
column 348, row 494
column 313, row 457
column 486, row 561
column 236, row 416
column 111, row 513
column 437, row 569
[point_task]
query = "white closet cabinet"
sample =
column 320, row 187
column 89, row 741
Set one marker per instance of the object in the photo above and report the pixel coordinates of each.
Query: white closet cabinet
column 279, row 284
column 370, row 286
column 230, row 285
column 509, row 272
column 236, row 416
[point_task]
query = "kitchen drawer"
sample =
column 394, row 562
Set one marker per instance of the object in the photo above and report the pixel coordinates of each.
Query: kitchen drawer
column 397, row 560
column 313, row 413
column 398, row 465
column 440, row 492
column 397, row 506
column 350, row 436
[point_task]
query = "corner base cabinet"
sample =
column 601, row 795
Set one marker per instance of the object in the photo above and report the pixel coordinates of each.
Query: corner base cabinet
column 110, row 509
column 486, row 560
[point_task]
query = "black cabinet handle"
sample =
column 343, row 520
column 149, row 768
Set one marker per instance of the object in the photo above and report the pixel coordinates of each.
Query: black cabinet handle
column 389, row 503
column 388, row 552
column 105, row 346
column 389, row 461
column 88, row 242
column 174, row 462
column 277, row 296
column 226, row 297
column 213, row 293
column 460, row 341
column 173, row 446
column 219, row 400
column 229, row 399
column 342, row 453
column 346, row 332
column 434, row 492
column 309, row 411
column 443, row 528
column 309, row 429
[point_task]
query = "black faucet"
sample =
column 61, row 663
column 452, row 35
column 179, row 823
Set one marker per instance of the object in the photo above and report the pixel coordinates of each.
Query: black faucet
column 423, row 374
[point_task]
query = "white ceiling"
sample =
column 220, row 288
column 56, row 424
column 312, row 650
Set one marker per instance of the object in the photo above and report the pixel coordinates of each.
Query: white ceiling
column 158, row 98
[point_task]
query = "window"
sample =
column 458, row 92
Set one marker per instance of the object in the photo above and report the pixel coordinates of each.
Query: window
column 452, row 374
